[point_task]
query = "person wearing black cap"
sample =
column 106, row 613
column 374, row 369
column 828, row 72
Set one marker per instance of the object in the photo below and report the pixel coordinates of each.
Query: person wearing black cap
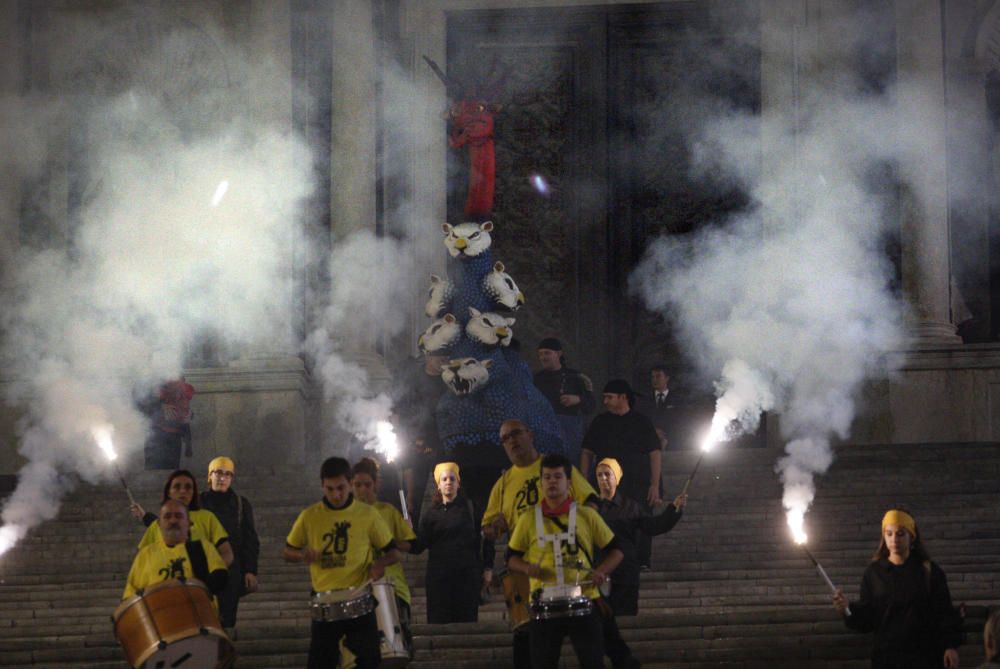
column 568, row 391
column 630, row 438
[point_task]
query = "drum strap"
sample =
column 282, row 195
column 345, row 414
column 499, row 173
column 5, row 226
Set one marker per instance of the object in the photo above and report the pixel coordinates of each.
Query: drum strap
column 199, row 562
column 556, row 538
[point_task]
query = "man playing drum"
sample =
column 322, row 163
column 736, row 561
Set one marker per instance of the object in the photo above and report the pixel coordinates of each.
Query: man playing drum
column 514, row 494
column 336, row 538
column 554, row 546
column 174, row 557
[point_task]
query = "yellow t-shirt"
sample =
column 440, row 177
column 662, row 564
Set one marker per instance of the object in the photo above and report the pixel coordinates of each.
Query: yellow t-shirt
column 158, row 562
column 400, row 532
column 346, row 540
column 204, row 525
column 517, row 492
column 591, row 532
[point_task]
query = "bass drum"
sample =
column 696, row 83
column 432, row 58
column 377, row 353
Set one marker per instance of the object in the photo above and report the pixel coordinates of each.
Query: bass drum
column 172, row 624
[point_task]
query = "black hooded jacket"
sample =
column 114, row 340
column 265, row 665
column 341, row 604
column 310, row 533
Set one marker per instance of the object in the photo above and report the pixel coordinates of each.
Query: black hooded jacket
column 909, row 609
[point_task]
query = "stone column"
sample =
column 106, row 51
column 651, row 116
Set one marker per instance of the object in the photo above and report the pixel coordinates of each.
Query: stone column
column 352, row 177
column 924, row 205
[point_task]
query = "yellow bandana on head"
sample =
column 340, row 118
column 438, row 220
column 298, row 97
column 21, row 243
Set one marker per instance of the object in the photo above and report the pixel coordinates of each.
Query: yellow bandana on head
column 222, row 462
column 901, row 518
column 613, row 465
column 443, row 467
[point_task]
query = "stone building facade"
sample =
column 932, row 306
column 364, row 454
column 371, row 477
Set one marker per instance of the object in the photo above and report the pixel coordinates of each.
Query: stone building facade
column 572, row 71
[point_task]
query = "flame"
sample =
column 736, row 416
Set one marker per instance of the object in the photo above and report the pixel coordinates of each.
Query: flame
column 102, row 435
column 385, row 440
column 220, row 192
column 9, row 536
column 796, row 523
column 716, row 433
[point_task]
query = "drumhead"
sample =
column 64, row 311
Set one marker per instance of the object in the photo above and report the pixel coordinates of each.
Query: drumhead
column 194, row 652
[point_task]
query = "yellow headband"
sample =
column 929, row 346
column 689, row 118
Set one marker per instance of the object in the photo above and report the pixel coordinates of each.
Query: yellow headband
column 221, row 462
column 613, row 465
column 901, row 518
column 443, row 467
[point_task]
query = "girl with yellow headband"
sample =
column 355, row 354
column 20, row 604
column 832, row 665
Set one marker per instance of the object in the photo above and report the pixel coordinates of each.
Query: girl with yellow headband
column 904, row 602
column 456, row 564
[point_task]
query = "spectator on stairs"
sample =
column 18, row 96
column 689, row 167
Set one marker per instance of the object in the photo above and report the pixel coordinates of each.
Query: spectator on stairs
column 991, row 641
column 628, row 436
column 456, row 566
column 182, row 487
column 905, row 602
column 628, row 520
column 366, row 488
column 236, row 515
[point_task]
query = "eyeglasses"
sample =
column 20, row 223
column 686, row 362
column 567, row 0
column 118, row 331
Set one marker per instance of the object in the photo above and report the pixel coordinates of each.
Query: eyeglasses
column 510, row 435
column 222, row 474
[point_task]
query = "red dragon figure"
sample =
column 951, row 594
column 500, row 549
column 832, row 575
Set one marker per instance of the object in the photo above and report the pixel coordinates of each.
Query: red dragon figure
column 471, row 125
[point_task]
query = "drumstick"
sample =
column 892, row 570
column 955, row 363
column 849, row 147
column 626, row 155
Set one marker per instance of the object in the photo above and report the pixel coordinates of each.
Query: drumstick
column 402, row 494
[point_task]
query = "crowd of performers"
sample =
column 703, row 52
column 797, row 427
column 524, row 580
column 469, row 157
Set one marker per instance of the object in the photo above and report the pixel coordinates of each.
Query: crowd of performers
column 565, row 542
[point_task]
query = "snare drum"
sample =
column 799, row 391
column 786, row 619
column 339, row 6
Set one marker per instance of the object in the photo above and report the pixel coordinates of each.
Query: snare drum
column 172, row 624
column 392, row 643
column 560, row 601
column 516, row 591
column 345, row 604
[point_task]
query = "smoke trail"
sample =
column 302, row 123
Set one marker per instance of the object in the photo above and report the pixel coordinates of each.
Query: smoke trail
column 371, row 282
column 791, row 298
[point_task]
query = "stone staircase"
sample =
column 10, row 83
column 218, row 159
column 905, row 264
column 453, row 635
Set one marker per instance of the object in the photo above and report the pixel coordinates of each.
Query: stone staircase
column 728, row 588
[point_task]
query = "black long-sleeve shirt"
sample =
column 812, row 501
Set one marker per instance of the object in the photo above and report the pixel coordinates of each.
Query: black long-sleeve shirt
column 227, row 506
column 453, row 537
column 909, row 609
column 629, row 439
column 565, row 381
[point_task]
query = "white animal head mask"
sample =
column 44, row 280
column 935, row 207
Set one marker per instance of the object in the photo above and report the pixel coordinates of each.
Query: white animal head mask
column 501, row 287
column 465, row 376
column 489, row 328
column 467, row 239
column 440, row 335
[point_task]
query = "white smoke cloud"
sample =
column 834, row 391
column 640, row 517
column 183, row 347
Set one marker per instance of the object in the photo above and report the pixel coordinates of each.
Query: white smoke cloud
column 371, row 282
column 790, row 299
column 98, row 318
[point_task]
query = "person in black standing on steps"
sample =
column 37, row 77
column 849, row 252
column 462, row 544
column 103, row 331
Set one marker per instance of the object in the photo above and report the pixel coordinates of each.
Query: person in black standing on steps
column 905, row 602
column 456, row 564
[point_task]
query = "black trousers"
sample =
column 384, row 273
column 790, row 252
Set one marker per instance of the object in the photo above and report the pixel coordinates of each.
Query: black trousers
column 585, row 633
column 453, row 595
column 229, row 599
column 615, row 647
column 360, row 636
column 162, row 450
column 522, row 648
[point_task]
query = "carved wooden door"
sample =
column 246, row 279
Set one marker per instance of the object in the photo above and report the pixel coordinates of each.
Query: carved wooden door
column 596, row 104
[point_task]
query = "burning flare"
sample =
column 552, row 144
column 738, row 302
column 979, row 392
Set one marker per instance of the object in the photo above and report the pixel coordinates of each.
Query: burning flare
column 385, row 440
column 102, row 435
column 9, row 536
column 796, row 523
